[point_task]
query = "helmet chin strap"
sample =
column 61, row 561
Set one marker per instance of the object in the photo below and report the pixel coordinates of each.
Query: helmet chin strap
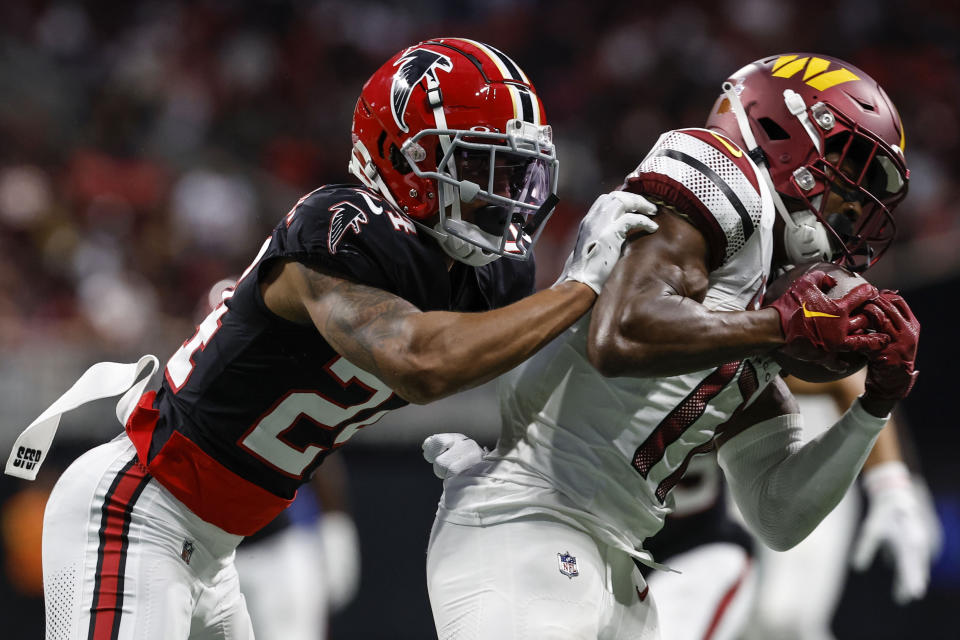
column 804, row 237
column 807, row 240
column 361, row 165
column 457, row 248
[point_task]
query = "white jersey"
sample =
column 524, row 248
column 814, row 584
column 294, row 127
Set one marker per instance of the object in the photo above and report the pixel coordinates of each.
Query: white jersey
column 603, row 453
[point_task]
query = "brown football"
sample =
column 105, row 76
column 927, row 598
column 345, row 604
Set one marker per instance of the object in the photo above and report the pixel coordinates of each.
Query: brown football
column 802, row 359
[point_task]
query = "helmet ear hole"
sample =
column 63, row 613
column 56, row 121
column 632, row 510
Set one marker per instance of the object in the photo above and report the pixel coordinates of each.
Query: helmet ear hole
column 773, row 130
column 399, row 163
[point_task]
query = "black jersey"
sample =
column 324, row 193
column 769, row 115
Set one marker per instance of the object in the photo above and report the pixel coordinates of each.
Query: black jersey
column 252, row 403
column 700, row 516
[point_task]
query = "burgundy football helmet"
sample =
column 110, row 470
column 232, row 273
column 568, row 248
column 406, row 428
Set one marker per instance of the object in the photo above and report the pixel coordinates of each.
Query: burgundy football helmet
column 453, row 120
column 790, row 112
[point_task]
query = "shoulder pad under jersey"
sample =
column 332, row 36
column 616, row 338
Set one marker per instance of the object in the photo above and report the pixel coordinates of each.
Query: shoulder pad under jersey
column 352, row 231
column 708, row 178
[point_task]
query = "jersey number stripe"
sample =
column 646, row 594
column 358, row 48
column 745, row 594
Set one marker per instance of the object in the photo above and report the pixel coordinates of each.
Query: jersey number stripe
column 682, row 416
column 265, row 440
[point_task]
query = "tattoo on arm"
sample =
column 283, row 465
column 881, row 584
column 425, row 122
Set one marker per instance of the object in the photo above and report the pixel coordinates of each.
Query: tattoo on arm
column 362, row 322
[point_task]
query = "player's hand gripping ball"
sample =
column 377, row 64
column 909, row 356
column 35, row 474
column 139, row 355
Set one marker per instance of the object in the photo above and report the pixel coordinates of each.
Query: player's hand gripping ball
column 802, row 357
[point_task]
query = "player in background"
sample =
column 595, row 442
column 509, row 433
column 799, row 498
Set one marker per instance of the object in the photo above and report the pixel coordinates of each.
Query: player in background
column 407, row 286
column 801, row 161
column 729, row 587
column 296, row 572
column 799, row 590
column 712, row 595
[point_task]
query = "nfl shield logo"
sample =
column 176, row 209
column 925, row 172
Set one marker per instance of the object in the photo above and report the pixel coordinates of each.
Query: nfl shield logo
column 187, row 551
column 568, row 565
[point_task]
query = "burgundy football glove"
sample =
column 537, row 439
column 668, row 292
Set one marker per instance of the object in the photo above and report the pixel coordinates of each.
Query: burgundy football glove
column 890, row 372
column 806, row 313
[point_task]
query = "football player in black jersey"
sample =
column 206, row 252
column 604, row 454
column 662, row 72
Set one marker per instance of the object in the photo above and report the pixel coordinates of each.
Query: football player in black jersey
column 408, row 287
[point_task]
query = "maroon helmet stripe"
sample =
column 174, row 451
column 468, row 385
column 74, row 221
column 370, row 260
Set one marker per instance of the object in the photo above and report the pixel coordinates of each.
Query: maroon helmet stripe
column 112, row 552
column 680, row 419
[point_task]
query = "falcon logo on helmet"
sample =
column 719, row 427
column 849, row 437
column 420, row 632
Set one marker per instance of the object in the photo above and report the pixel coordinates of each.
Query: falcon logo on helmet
column 471, row 163
column 413, row 67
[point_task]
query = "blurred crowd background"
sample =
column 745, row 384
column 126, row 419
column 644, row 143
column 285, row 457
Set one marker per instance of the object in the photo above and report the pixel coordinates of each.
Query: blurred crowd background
column 147, row 146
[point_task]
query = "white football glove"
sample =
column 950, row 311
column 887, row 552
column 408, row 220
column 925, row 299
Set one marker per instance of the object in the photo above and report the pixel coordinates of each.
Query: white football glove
column 340, row 546
column 899, row 520
column 601, row 235
column 451, row 453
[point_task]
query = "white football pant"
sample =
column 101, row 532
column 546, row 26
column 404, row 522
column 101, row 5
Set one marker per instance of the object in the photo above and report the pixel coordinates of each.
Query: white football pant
column 505, row 582
column 282, row 580
column 124, row 559
column 710, row 598
column 799, row 589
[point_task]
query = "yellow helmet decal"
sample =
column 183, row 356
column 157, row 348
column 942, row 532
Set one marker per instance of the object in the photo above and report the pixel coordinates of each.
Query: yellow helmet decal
column 815, row 71
column 903, row 136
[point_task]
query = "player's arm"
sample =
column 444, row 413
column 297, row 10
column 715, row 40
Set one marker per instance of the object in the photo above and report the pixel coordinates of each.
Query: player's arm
column 650, row 321
column 423, row 356
column 899, row 517
column 844, row 392
column 783, row 486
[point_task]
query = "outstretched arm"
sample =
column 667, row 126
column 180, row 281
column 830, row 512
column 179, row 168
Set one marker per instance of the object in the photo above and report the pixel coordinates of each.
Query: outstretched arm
column 423, row 356
column 844, row 392
column 900, row 517
column 783, row 486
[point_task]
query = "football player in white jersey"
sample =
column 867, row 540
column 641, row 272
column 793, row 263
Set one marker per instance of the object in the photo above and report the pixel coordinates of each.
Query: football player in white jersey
column 802, row 160
column 730, row 588
column 798, row 591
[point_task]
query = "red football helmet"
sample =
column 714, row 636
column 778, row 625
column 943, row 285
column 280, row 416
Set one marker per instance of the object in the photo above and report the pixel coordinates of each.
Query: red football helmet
column 790, row 112
column 453, row 120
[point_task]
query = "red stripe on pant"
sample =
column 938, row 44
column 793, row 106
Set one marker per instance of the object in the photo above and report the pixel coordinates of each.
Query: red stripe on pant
column 112, row 552
column 725, row 602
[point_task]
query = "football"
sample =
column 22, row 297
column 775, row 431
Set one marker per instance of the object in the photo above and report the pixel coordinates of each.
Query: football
column 805, row 361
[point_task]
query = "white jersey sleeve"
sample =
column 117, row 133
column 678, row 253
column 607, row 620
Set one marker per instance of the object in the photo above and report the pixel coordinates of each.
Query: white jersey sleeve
column 708, row 179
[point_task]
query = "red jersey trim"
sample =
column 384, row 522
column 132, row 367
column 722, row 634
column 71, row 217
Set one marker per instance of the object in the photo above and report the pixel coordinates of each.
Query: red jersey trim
column 213, row 492
column 660, row 187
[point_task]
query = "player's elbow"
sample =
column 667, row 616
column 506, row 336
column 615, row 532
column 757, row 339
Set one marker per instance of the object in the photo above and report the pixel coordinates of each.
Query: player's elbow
column 778, row 532
column 605, row 359
column 418, row 390
column 423, row 380
column 613, row 355
column 781, row 540
column 421, row 394
column 617, row 344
